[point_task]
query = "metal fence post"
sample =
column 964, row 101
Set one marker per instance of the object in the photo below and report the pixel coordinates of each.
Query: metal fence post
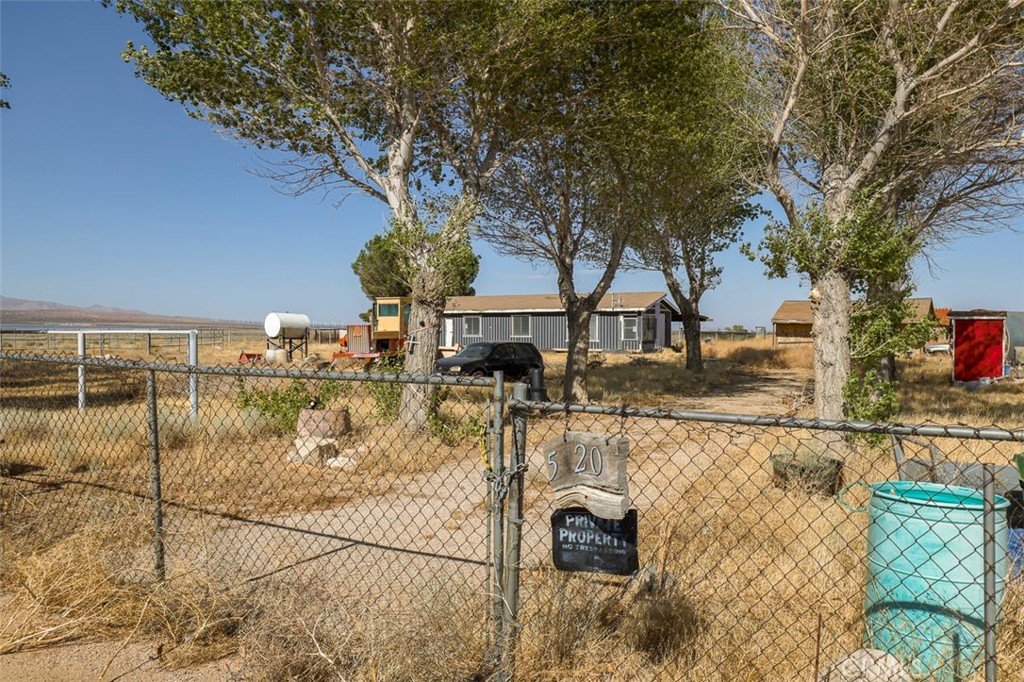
column 193, row 378
column 991, row 610
column 515, row 528
column 81, row 373
column 154, row 476
column 497, row 463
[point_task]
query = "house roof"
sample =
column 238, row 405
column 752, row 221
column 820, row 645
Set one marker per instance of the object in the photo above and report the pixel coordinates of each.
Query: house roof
column 626, row 301
column 799, row 312
column 793, row 312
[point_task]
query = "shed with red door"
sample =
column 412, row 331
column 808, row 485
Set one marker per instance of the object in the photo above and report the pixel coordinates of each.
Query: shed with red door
column 981, row 344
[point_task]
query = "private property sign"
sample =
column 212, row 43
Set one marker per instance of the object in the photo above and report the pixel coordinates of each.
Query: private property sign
column 589, row 470
column 581, row 541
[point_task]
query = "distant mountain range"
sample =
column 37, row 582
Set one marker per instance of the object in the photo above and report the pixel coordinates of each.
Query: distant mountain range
column 8, row 303
column 19, row 311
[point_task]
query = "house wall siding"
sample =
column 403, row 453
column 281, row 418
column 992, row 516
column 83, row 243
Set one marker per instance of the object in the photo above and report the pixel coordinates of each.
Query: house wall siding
column 547, row 331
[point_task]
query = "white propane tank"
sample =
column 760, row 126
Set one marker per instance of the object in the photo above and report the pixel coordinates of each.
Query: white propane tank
column 286, row 325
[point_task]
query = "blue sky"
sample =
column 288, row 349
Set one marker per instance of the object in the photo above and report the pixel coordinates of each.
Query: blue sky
column 111, row 195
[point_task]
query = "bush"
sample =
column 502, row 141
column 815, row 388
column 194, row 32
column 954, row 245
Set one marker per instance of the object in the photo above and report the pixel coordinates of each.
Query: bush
column 281, row 407
column 387, row 396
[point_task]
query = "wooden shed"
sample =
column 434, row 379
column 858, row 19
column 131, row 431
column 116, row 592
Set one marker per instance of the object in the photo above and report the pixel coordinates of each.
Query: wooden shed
column 794, row 320
column 981, row 344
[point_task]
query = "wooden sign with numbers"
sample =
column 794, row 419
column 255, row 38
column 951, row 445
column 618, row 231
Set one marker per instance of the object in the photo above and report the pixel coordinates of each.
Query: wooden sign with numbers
column 589, row 470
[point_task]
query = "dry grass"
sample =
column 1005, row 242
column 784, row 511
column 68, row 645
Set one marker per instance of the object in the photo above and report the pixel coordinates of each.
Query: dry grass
column 762, row 354
column 305, row 633
column 927, row 393
column 661, row 378
column 86, row 588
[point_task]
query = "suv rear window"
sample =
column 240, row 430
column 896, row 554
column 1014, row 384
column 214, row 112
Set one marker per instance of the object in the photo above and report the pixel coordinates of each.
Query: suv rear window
column 527, row 351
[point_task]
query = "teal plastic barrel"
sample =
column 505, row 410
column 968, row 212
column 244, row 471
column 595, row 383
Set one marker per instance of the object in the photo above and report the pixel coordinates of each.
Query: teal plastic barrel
column 925, row 600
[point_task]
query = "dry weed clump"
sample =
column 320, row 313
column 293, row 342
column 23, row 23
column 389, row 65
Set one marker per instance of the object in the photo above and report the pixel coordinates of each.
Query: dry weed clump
column 762, row 354
column 91, row 587
column 926, row 393
column 305, row 633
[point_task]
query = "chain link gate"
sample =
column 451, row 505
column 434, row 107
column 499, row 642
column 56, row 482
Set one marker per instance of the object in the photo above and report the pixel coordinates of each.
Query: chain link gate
column 753, row 568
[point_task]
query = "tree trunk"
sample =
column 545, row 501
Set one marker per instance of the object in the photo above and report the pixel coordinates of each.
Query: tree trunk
column 689, row 309
column 886, row 369
column 420, row 359
column 574, row 385
column 691, row 334
column 831, row 331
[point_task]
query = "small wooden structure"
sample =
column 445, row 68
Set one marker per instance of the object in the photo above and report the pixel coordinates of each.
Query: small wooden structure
column 981, row 345
column 390, row 322
column 794, row 320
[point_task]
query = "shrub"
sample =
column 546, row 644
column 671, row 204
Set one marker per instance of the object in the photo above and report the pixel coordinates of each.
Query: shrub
column 281, row 407
column 387, row 396
column 175, row 431
column 449, row 429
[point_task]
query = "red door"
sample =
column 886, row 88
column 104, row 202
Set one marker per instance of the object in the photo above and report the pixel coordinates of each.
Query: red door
column 977, row 349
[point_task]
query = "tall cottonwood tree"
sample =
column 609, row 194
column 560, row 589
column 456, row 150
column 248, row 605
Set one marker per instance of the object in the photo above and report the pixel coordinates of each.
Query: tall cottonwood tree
column 914, row 105
column 383, row 98
column 574, row 195
column 699, row 198
column 692, row 227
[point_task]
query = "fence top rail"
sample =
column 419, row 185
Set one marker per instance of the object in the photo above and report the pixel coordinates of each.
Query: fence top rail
column 92, row 331
column 623, row 411
column 293, row 373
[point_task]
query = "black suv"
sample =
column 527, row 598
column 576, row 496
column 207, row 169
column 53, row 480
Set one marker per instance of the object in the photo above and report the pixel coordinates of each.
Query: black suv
column 480, row 359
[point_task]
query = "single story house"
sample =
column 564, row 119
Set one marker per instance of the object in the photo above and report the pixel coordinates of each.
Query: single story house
column 623, row 321
column 793, row 320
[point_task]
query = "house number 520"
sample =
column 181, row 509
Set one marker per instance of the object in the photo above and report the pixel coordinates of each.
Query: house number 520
column 589, row 462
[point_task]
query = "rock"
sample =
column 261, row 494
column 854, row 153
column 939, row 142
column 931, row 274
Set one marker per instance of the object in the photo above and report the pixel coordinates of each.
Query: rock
column 340, row 463
column 865, row 665
column 323, row 423
column 358, row 450
column 315, row 450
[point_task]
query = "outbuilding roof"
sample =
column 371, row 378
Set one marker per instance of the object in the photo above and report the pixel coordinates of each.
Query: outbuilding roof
column 977, row 313
column 799, row 312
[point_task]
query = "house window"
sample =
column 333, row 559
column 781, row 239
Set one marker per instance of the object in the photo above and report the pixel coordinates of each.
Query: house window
column 471, row 326
column 594, row 326
column 520, row 325
column 629, row 330
column 387, row 310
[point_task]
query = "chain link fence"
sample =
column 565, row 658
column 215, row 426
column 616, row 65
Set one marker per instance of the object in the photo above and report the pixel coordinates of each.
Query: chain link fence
column 346, row 534
column 771, row 549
